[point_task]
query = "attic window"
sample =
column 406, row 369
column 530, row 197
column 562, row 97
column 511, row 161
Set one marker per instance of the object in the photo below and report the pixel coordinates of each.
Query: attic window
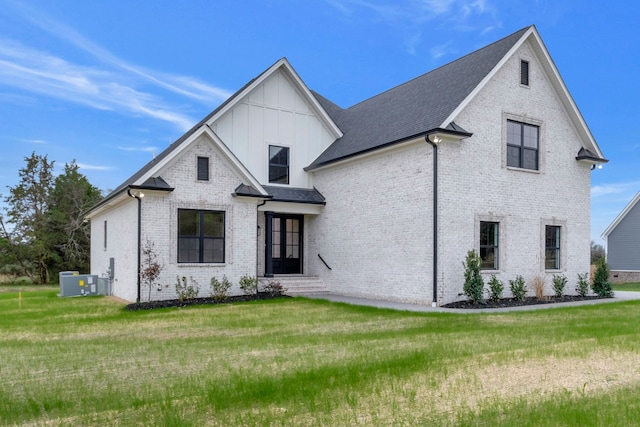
column 278, row 165
column 524, row 73
column 203, row 169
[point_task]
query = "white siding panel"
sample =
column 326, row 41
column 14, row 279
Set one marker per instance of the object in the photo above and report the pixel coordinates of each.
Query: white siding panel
column 270, row 87
column 241, row 130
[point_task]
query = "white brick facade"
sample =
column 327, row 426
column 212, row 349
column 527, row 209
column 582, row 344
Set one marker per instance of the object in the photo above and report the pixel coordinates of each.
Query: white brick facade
column 376, row 230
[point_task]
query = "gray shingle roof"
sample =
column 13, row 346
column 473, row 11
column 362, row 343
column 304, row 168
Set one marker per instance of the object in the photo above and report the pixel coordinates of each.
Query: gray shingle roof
column 414, row 107
column 296, row 195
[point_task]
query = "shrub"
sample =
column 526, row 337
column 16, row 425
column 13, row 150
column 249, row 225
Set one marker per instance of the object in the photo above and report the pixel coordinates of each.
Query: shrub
column 538, row 286
column 150, row 268
column 220, row 288
column 601, row 285
column 559, row 282
column 582, row 288
column 473, row 283
column 518, row 288
column 249, row 285
column 495, row 288
column 274, row 288
column 185, row 291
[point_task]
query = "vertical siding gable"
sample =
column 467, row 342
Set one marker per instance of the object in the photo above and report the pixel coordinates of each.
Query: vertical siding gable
column 274, row 113
column 623, row 243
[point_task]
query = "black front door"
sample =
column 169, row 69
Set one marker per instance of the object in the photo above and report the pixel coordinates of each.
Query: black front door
column 286, row 244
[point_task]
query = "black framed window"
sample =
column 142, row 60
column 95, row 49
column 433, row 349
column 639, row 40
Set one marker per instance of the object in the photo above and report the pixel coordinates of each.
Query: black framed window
column 522, row 145
column 489, row 238
column 200, row 236
column 278, row 164
column 552, row 247
column 105, row 235
column 524, row 73
column 203, row 169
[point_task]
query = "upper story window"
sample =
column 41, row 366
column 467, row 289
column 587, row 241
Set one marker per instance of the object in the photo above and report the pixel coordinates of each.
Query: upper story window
column 200, row 236
column 524, row 73
column 522, row 145
column 489, row 245
column 278, row 164
column 203, row 169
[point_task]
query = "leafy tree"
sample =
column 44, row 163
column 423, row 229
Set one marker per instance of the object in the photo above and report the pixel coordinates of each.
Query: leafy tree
column 27, row 209
column 69, row 237
column 597, row 252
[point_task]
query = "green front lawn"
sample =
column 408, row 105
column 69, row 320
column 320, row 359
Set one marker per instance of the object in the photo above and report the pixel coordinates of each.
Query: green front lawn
column 632, row 286
column 85, row 361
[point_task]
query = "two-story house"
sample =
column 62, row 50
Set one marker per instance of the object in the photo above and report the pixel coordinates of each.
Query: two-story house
column 382, row 199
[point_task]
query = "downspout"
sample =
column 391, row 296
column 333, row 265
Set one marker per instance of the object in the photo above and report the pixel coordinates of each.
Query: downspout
column 138, row 195
column 434, row 144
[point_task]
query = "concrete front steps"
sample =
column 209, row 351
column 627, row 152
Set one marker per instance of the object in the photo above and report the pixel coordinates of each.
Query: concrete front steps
column 297, row 284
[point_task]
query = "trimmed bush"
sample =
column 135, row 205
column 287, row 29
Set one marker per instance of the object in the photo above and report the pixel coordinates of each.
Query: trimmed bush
column 559, row 282
column 220, row 288
column 473, row 283
column 582, row 288
column 518, row 288
column 249, row 285
column 495, row 288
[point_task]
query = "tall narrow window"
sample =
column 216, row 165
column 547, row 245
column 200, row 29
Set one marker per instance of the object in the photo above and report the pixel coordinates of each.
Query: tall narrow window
column 552, row 247
column 203, row 169
column 522, row 145
column 489, row 245
column 524, row 73
column 200, row 236
column 105, row 235
column 278, row 164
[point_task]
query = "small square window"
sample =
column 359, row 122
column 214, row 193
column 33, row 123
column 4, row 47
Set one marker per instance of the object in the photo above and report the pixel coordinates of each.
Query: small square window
column 524, row 73
column 203, row 169
column 278, row 164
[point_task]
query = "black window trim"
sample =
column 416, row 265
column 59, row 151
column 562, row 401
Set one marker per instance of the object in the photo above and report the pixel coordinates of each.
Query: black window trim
column 496, row 247
column 287, row 165
column 524, row 72
column 522, row 147
column 557, row 248
column 201, row 236
column 202, row 173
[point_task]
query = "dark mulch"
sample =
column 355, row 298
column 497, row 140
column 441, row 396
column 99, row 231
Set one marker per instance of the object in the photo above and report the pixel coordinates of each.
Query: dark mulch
column 202, row 301
column 510, row 302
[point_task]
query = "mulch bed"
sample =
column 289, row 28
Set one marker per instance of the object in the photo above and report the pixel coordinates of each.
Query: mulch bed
column 510, row 302
column 148, row 305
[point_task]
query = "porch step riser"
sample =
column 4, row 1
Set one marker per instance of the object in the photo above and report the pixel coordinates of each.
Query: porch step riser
column 298, row 285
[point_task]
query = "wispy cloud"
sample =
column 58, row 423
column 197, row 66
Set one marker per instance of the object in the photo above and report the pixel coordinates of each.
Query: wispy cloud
column 410, row 16
column 94, row 167
column 35, row 141
column 145, row 149
column 621, row 188
column 110, row 84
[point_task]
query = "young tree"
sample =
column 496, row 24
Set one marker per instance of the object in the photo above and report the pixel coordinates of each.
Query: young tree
column 71, row 197
column 27, row 209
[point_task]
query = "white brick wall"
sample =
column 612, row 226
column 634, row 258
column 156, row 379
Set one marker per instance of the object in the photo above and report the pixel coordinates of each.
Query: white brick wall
column 159, row 225
column 376, row 233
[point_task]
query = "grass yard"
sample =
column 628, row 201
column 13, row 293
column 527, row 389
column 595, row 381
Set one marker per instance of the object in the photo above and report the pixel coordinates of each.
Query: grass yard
column 85, row 361
column 631, row 286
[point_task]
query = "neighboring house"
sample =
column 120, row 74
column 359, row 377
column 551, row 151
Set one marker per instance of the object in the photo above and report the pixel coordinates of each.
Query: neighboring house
column 622, row 239
column 279, row 181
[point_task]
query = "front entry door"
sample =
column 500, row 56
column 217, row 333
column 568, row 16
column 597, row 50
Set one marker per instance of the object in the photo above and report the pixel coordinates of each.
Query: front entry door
column 286, row 244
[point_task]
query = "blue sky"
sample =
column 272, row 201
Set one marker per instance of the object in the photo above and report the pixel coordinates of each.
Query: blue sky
column 108, row 83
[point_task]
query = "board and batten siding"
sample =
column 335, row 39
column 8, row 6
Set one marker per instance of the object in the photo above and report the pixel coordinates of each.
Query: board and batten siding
column 623, row 243
column 274, row 113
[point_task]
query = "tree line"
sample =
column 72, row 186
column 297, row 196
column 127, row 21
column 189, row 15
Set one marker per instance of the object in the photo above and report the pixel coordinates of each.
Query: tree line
column 42, row 226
